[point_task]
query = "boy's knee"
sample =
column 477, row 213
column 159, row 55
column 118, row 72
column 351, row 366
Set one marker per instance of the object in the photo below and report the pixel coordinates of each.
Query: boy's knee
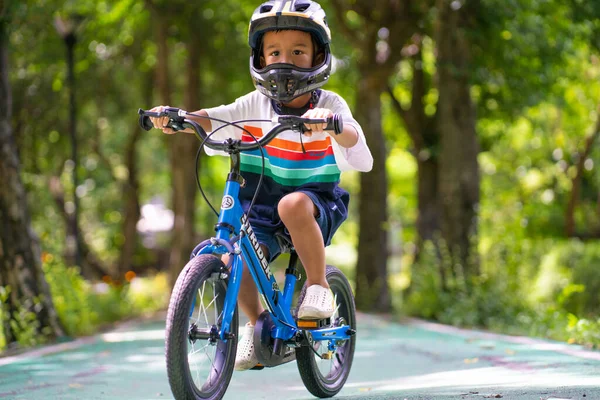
column 295, row 206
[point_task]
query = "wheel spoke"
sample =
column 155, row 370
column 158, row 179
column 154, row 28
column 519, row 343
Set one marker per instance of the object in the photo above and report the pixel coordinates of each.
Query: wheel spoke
column 215, row 291
column 195, row 364
column 211, row 369
column 204, row 308
column 199, row 350
column 337, row 306
column 201, row 305
column 212, row 301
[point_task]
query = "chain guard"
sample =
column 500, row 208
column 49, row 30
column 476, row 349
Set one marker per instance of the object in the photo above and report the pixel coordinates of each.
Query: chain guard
column 263, row 343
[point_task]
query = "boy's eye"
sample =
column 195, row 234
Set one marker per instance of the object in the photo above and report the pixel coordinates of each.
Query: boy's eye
column 275, row 53
column 297, row 52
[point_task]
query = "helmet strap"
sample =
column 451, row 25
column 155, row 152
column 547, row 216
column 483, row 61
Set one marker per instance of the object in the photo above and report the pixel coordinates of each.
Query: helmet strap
column 281, row 109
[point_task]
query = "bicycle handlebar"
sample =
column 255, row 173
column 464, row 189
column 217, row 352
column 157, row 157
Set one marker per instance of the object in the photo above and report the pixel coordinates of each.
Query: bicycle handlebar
column 178, row 121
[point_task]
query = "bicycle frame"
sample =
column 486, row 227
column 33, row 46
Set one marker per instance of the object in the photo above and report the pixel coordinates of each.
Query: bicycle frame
column 234, row 235
column 232, row 221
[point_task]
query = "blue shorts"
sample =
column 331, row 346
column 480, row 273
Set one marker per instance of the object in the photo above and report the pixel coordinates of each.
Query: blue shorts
column 266, row 236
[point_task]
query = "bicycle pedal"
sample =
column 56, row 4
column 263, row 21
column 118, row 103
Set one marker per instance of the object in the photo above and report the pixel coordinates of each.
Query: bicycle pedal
column 258, row 367
column 313, row 323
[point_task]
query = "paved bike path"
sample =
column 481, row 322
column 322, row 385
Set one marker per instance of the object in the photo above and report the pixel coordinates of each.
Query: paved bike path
column 412, row 360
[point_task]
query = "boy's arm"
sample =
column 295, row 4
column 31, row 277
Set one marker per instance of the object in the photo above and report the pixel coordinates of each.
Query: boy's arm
column 348, row 138
column 203, row 122
column 350, row 148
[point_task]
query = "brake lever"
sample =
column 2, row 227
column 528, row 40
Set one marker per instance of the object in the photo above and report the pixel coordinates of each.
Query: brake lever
column 334, row 123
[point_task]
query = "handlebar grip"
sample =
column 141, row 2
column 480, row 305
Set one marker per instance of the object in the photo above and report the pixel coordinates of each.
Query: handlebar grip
column 335, row 124
column 144, row 121
column 175, row 118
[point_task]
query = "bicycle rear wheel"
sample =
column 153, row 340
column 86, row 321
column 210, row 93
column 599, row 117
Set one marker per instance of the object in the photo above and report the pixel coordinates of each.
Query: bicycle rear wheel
column 199, row 364
column 322, row 377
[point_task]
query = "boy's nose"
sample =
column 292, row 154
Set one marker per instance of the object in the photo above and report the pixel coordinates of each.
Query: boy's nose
column 286, row 59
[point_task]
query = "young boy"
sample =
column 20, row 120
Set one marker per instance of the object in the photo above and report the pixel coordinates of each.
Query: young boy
column 290, row 60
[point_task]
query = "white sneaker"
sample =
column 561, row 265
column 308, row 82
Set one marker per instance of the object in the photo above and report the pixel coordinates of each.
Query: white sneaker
column 317, row 304
column 245, row 357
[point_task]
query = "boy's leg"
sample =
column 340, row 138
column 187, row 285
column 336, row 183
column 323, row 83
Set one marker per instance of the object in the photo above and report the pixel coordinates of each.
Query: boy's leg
column 299, row 214
column 297, row 211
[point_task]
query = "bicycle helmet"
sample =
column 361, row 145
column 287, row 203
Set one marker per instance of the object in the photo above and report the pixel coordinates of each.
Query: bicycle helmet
column 285, row 82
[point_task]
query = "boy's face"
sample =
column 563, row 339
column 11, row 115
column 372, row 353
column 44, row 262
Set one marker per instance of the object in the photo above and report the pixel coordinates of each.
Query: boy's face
column 288, row 47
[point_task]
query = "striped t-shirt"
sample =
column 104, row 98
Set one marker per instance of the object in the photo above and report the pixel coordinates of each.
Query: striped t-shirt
column 292, row 161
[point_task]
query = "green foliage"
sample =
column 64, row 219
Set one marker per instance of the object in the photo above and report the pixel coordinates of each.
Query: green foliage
column 25, row 325
column 519, row 49
column 574, row 276
column 4, row 315
column 71, row 296
column 150, row 294
column 83, row 307
column 487, row 299
column 584, row 331
column 540, row 288
column 22, row 321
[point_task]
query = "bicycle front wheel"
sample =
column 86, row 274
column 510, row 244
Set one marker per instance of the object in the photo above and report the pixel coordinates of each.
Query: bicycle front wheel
column 326, row 377
column 199, row 363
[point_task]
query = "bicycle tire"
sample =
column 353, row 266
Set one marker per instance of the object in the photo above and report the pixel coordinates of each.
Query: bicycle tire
column 317, row 382
column 191, row 295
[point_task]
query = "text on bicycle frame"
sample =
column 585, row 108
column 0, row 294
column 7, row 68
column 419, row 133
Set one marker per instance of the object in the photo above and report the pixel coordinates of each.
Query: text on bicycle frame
column 254, row 240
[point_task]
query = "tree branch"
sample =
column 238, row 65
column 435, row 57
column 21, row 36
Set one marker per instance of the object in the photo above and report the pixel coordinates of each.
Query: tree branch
column 348, row 32
column 408, row 116
column 90, row 261
column 402, row 24
column 418, row 83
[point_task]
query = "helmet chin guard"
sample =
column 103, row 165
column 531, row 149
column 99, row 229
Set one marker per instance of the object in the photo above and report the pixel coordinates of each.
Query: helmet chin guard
column 285, row 82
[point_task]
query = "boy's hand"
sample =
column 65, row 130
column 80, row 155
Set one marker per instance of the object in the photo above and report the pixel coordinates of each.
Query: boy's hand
column 317, row 113
column 161, row 123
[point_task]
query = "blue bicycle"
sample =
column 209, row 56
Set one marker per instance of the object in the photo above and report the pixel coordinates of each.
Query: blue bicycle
column 202, row 319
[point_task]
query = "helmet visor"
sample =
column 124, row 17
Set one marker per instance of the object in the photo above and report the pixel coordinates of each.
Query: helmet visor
column 282, row 22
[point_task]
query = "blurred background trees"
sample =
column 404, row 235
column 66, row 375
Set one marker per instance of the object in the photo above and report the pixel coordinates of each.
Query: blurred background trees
column 24, row 291
column 483, row 207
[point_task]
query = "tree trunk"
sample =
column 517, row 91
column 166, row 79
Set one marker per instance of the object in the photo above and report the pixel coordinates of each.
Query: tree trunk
column 160, row 22
column 183, row 159
column 131, row 191
column 458, row 167
column 20, row 265
column 91, row 267
column 131, row 202
column 161, row 32
column 372, row 289
column 425, row 139
column 576, row 182
column 427, row 197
